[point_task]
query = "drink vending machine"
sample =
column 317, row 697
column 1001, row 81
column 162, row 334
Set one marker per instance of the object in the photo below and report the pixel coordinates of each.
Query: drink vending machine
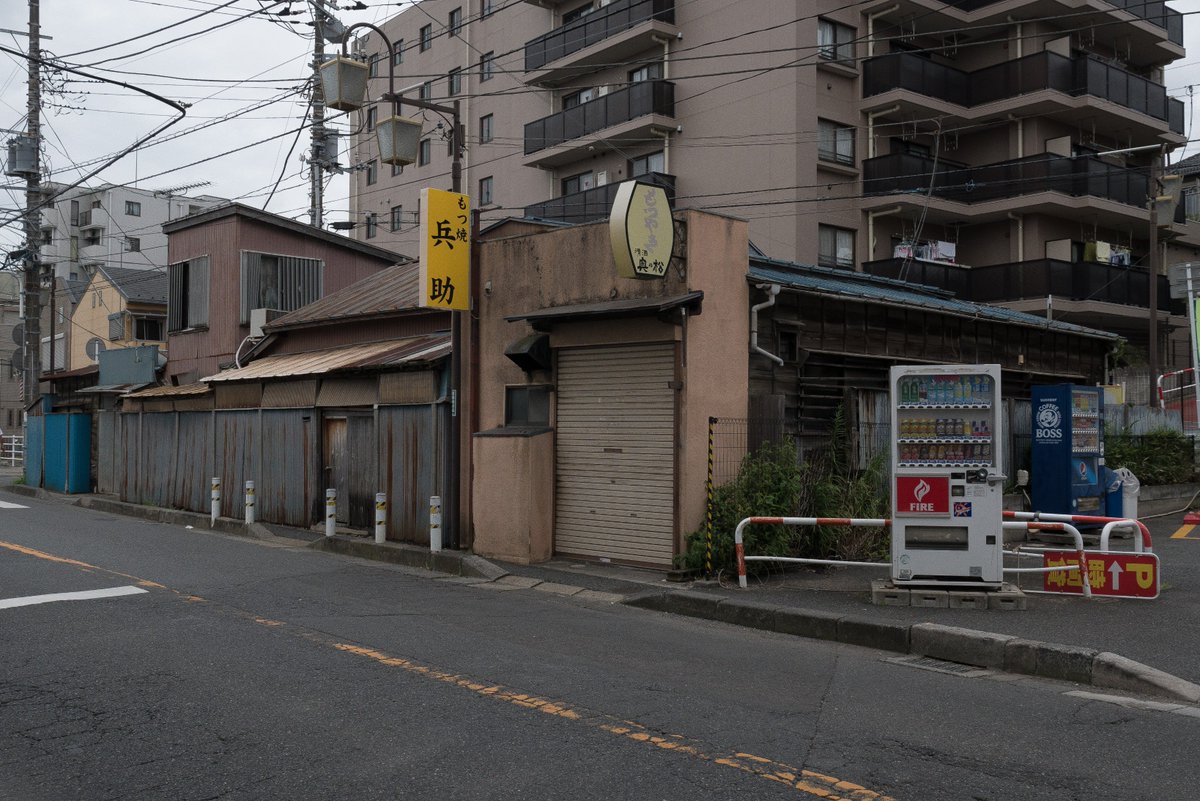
column 947, row 474
column 1068, row 449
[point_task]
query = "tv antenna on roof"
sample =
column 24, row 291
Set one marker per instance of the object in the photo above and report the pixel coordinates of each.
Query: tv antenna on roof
column 175, row 190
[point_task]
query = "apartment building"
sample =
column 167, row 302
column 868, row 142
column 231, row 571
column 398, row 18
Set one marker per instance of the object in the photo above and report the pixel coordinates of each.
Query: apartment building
column 111, row 226
column 1003, row 150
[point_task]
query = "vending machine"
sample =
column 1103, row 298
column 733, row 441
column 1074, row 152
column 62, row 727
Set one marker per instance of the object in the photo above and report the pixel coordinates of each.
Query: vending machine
column 1068, row 449
column 948, row 477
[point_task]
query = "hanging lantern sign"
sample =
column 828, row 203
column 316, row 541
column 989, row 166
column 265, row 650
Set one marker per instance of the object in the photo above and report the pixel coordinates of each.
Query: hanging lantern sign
column 641, row 230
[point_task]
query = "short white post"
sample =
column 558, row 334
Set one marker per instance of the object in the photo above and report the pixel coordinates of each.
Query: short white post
column 435, row 523
column 216, row 500
column 330, row 511
column 249, row 502
column 380, row 517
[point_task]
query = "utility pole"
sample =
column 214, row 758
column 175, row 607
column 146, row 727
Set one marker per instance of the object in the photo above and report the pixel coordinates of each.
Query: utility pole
column 33, row 196
column 316, row 212
column 1152, row 347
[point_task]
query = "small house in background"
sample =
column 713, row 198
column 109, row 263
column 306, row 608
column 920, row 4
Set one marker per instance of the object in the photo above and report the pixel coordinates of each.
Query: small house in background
column 120, row 308
column 233, row 268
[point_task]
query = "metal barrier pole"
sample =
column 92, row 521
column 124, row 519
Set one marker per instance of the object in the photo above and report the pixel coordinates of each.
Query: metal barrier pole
column 1066, row 528
column 1033, row 517
column 330, row 511
column 249, row 502
column 435, row 523
column 216, row 501
column 740, row 553
column 381, row 517
column 708, row 504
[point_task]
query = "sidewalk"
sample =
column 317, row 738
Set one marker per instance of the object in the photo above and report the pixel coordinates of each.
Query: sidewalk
column 1147, row 647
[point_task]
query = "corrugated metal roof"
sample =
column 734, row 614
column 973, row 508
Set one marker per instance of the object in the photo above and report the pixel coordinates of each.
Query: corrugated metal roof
column 142, row 286
column 393, row 353
column 184, row 390
column 625, row 307
column 392, row 290
column 829, row 281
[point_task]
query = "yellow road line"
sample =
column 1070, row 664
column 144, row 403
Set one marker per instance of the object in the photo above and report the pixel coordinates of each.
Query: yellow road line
column 1182, row 532
column 806, row 781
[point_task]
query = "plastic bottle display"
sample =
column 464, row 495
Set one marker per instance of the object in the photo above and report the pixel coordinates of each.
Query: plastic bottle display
column 936, row 439
column 947, row 390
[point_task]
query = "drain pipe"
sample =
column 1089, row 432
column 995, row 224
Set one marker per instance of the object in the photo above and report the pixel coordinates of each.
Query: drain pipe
column 871, row 115
column 871, row 215
column 871, row 27
column 772, row 291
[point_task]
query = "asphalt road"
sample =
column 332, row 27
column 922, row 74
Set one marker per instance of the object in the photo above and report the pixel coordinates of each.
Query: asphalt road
column 263, row 670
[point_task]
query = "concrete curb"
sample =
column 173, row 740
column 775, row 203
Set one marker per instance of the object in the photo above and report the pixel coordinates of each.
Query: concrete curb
column 454, row 563
column 950, row 643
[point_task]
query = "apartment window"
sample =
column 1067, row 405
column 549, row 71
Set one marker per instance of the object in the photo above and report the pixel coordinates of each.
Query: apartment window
column 526, row 406
column 485, row 128
column 487, row 7
column 835, row 247
column 91, row 238
column 148, row 328
column 372, row 172
column 487, row 66
column 423, row 153
column 578, row 98
column 133, row 244
column 578, row 183
column 426, row 90
column 426, row 40
column 577, row 13
column 454, row 25
column 116, row 326
column 273, row 281
column 1191, row 203
column 835, row 142
column 187, row 294
column 74, row 213
column 835, row 41
column 397, row 169
column 47, row 236
column 397, row 217
column 398, row 53
column 373, row 65
column 133, row 208
column 644, row 165
column 372, row 117
column 646, row 72
column 95, row 204
column 485, row 191
column 454, row 81
column 372, row 225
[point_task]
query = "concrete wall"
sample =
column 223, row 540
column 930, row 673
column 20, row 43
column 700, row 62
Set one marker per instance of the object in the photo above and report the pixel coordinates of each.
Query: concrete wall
column 515, row 518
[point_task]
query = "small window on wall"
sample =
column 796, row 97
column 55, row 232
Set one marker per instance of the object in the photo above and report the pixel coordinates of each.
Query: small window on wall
column 426, row 40
column 527, row 407
column 835, row 247
column 133, row 208
column 485, row 191
column 485, row 128
column 835, row 42
column 644, row 165
column 835, row 142
column 424, row 151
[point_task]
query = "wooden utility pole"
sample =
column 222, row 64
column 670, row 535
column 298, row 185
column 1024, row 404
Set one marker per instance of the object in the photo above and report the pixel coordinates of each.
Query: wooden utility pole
column 316, row 193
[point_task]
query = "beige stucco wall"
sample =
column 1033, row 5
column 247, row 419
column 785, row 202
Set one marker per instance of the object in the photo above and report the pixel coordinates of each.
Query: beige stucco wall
column 574, row 266
column 514, row 518
column 90, row 319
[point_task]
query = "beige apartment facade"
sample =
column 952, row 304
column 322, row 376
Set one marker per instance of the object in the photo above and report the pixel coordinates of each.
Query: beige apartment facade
column 1004, row 151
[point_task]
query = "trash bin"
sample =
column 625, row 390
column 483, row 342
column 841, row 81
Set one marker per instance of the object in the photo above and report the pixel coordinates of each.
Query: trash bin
column 1110, row 486
column 1130, row 489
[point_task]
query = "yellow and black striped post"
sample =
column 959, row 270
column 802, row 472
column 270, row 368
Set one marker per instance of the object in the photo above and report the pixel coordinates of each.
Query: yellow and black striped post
column 708, row 506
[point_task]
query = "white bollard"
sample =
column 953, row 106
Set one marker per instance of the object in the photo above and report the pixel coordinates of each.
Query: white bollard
column 249, row 502
column 330, row 511
column 216, row 501
column 380, row 517
column 435, row 523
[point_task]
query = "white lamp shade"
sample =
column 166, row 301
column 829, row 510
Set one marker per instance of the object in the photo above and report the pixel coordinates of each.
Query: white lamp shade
column 399, row 138
column 344, row 82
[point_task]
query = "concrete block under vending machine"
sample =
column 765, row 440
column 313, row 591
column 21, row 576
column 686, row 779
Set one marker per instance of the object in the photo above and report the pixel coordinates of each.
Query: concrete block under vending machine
column 885, row 593
column 967, row 599
column 930, row 599
column 1008, row 598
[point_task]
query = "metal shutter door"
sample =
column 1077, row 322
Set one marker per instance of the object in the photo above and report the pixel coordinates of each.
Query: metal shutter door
column 615, row 471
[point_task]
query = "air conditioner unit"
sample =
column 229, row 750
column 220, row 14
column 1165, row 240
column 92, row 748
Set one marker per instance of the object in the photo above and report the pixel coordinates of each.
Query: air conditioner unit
column 260, row 318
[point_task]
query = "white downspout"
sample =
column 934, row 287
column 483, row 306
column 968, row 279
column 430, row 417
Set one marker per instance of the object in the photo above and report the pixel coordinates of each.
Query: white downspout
column 871, row 127
column 772, row 291
column 871, row 215
column 1020, row 218
column 666, row 76
column 871, row 27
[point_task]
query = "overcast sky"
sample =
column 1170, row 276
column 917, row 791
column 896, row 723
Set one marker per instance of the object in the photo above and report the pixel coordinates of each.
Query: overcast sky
column 255, row 61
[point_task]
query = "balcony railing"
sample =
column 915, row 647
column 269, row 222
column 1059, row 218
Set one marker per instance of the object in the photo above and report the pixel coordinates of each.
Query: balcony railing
column 1026, row 280
column 1083, row 75
column 613, row 18
column 595, row 203
column 636, row 100
column 1153, row 11
column 1077, row 177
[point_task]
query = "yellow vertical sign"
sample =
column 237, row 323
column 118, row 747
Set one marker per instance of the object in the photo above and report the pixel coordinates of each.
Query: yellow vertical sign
column 445, row 250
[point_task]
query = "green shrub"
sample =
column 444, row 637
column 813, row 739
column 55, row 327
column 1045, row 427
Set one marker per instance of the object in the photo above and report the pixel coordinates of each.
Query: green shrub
column 1159, row 457
column 771, row 482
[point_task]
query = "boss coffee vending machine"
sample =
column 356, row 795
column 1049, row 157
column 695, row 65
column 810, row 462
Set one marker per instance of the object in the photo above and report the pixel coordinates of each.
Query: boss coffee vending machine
column 947, row 475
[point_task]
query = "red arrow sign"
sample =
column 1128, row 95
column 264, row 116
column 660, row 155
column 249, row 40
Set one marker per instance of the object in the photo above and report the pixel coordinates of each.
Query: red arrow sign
column 1122, row 575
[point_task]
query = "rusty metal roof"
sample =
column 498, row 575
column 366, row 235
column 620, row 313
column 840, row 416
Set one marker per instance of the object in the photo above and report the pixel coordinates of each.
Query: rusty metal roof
column 373, row 355
column 184, row 390
column 387, row 291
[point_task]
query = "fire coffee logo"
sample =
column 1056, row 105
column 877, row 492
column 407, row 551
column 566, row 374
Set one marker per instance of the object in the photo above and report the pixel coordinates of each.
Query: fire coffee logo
column 922, row 495
column 920, row 491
